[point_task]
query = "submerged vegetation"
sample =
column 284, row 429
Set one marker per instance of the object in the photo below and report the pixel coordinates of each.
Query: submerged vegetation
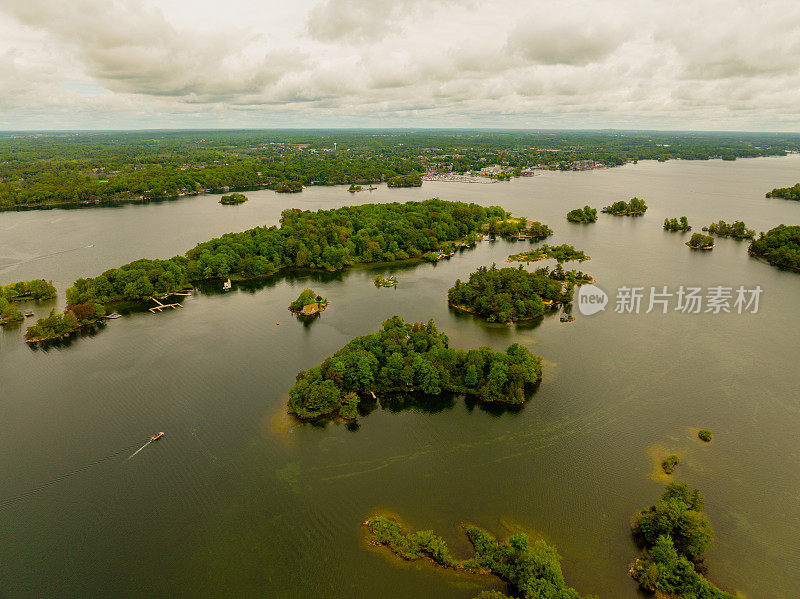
column 674, row 224
column 779, row 246
column 621, row 208
column 532, row 570
column 562, row 253
column 326, row 239
column 56, row 326
column 508, row 294
column 674, row 535
column 736, row 229
column 701, row 242
column 668, row 465
column 234, row 198
column 404, row 357
column 586, row 214
column 786, row 193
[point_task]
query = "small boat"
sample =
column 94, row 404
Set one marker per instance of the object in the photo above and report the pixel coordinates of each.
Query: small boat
column 156, row 437
column 28, row 313
column 226, row 285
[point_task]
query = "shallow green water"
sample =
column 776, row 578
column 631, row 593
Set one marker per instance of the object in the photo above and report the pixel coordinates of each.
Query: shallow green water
column 239, row 500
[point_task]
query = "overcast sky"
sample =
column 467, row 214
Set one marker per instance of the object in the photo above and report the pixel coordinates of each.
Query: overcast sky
column 102, row 64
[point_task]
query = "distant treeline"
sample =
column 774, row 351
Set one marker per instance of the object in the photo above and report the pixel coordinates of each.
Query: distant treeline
column 40, row 169
column 326, row 239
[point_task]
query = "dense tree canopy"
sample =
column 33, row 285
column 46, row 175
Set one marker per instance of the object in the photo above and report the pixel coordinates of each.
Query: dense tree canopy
column 306, row 298
column 786, row 193
column 621, row 208
column 56, row 326
column 736, row 229
column 508, row 294
column 410, row 180
column 700, row 242
column 675, row 533
column 674, row 224
column 779, row 246
column 233, row 198
column 326, row 239
column 37, row 289
column 533, row 570
column 54, row 168
column 562, row 253
column 405, row 357
column 587, row 214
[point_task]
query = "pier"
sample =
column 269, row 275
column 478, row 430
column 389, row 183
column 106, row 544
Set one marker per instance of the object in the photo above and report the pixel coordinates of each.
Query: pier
column 161, row 306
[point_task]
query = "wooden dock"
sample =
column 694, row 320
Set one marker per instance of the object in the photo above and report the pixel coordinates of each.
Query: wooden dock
column 161, row 306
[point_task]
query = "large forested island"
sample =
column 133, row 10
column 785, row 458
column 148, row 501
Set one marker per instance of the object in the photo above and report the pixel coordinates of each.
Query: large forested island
column 508, row 294
column 786, row 193
column 86, row 168
column 674, row 535
column 411, row 358
column 779, row 246
column 532, row 570
column 326, row 239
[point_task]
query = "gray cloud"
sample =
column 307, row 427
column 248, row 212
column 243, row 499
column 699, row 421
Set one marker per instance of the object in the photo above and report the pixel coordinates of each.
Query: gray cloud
column 719, row 64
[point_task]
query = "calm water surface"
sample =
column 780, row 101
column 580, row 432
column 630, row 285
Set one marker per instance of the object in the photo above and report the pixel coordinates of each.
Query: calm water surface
column 240, row 500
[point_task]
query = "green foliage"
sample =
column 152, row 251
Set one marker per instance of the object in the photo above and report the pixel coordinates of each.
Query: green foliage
column 326, row 239
column 586, row 214
column 234, row 198
column 56, row 326
column 668, row 465
column 786, row 193
column 9, row 312
column 779, row 246
column 306, row 297
column 91, row 167
column 675, row 534
column 37, row 289
column 700, row 241
column 621, row 208
column 562, row 253
column 533, row 570
column 507, row 294
column 404, row 357
column 674, row 224
column 410, row 180
column 704, row 435
column 737, row 229
column 390, row 281
column 354, row 188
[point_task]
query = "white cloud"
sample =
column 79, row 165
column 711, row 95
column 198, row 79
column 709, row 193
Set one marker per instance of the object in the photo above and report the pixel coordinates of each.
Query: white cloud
column 155, row 63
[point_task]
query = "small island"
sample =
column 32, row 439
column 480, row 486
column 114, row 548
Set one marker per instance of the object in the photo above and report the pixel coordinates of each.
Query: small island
column 308, row 304
column 233, row 198
column 704, row 435
column 674, row 224
column 668, row 465
column 533, row 569
column 37, row 289
column 737, row 230
column 410, row 180
column 785, row 193
column 411, row 358
column 561, row 253
column 288, row 186
column 390, row 281
column 779, row 246
column 633, row 208
column 519, row 228
column 354, row 188
column 508, row 294
column 673, row 536
column 701, row 242
column 57, row 326
column 582, row 215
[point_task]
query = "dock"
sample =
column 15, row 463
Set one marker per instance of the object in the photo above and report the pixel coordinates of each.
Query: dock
column 161, row 306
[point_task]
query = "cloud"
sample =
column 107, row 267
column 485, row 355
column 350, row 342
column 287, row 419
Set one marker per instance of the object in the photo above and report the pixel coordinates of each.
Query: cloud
column 507, row 63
